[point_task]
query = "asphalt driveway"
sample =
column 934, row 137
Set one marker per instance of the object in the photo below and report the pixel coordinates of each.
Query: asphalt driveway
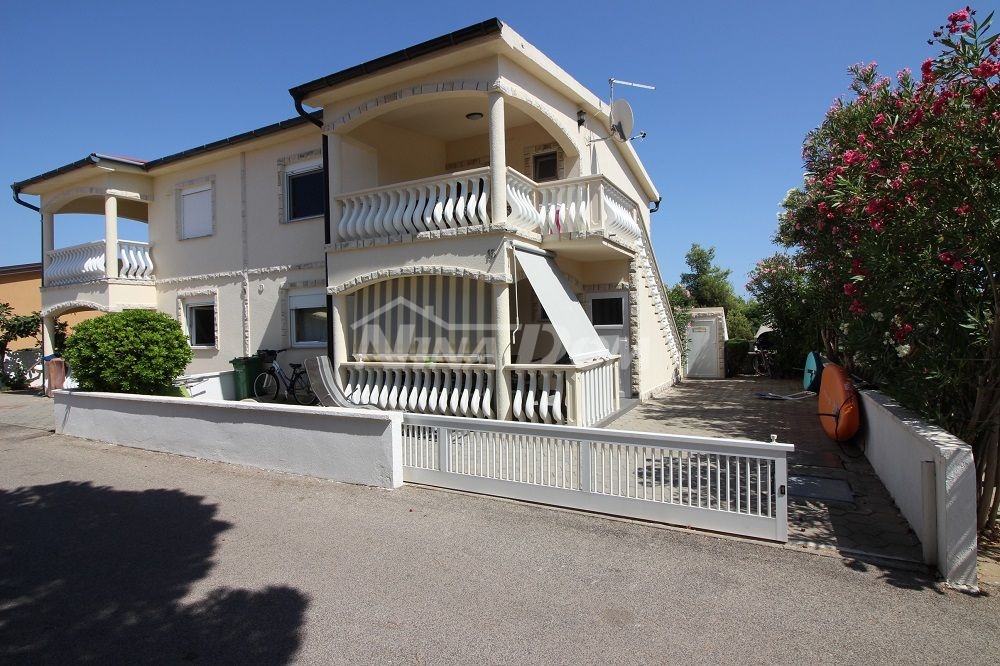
column 113, row 555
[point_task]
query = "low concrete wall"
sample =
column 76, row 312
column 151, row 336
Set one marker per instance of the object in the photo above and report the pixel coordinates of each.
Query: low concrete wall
column 353, row 446
column 930, row 474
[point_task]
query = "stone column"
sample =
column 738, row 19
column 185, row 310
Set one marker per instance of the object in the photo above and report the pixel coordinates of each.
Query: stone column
column 48, row 240
column 498, row 160
column 334, row 182
column 48, row 346
column 111, row 236
column 338, row 325
column 501, row 297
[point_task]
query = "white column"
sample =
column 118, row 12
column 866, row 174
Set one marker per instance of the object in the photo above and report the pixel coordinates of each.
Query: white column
column 336, row 186
column 498, row 161
column 48, row 240
column 501, row 296
column 339, row 325
column 111, row 236
column 48, row 346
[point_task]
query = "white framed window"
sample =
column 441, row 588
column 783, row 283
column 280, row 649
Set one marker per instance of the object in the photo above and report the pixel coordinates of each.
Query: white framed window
column 307, row 320
column 305, row 190
column 196, row 209
column 201, row 324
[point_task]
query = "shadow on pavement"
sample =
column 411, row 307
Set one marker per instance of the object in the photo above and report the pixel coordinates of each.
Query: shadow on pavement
column 93, row 574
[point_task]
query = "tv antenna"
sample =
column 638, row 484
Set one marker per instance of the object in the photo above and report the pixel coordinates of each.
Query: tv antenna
column 620, row 117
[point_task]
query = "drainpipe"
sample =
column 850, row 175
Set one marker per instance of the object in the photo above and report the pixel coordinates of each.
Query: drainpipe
column 656, row 205
column 17, row 199
column 326, row 220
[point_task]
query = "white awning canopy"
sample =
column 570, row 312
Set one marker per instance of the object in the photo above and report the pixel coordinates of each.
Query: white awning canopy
column 568, row 318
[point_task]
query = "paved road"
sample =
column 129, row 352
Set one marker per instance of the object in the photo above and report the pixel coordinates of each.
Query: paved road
column 112, row 555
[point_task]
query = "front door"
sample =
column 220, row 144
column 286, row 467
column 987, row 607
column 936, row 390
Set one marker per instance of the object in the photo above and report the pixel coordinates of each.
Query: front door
column 609, row 314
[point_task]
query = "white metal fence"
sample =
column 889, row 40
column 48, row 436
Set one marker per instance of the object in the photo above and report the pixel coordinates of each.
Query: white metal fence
column 725, row 485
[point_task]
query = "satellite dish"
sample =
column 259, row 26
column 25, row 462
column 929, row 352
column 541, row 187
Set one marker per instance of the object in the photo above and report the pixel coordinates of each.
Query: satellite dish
column 622, row 120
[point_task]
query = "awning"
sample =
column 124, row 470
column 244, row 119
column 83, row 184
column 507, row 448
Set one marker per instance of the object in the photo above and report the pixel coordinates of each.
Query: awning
column 568, row 318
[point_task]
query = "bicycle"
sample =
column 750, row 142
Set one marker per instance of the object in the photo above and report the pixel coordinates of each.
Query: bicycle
column 763, row 362
column 267, row 384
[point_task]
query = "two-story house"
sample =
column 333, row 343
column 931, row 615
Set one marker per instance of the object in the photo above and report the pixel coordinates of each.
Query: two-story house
column 453, row 224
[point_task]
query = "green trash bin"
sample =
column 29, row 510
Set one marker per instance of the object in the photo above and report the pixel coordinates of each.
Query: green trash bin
column 247, row 368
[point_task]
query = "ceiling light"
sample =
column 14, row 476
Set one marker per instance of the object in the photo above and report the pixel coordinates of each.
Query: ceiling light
column 475, row 115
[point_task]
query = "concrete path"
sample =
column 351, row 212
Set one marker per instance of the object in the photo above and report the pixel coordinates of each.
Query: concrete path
column 836, row 500
column 114, row 555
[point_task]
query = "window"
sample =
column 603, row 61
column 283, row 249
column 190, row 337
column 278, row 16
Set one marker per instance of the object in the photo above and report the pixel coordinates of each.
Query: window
column 545, row 166
column 307, row 320
column 305, row 188
column 196, row 214
column 607, row 311
column 201, row 324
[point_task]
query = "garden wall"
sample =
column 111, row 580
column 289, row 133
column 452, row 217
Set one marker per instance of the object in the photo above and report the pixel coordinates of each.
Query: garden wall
column 353, row 446
column 930, row 474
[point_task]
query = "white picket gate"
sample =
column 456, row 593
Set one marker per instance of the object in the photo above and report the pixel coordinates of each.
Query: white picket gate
column 723, row 485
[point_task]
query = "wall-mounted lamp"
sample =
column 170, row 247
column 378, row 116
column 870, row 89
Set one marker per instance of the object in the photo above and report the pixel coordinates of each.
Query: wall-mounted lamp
column 475, row 115
column 581, row 118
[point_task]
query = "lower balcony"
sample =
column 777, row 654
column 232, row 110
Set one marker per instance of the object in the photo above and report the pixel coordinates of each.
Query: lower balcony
column 580, row 395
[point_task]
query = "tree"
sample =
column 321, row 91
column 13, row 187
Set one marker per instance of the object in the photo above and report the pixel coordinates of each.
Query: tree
column 134, row 351
column 709, row 286
column 898, row 231
column 14, row 327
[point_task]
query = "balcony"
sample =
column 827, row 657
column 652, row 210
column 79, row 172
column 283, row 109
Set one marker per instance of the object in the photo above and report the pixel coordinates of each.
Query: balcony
column 561, row 394
column 79, row 274
column 569, row 209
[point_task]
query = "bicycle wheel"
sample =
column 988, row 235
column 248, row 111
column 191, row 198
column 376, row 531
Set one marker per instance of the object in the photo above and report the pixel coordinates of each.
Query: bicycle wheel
column 302, row 391
column 265, row 387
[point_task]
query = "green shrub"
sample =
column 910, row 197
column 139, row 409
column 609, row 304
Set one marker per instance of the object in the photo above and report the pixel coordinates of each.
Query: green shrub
column 736, row 355
column 135, row 351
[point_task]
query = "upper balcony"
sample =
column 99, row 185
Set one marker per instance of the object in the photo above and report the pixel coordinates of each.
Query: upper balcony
column 578, row 214
column 79, row 275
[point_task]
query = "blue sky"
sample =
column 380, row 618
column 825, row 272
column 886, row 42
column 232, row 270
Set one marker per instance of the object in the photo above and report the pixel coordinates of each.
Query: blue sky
column 738, row 85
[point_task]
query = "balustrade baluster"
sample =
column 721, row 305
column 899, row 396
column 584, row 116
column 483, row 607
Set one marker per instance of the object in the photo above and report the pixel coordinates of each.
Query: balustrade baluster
column 543, row 399
column 488, row 395
column 518, row 399
column 449, row 204
column 529, row 399
column 482, row 208
column 433, row 398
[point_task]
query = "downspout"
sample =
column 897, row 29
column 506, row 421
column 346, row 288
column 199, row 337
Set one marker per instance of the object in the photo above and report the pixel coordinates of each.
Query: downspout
column 656, row 205
column 41, row 241
column 326, row 219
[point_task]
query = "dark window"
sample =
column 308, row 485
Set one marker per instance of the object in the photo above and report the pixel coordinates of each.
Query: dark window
column 305, row 194
column 201, row 325
column 309, row 325
column 545, row 167
column 607, row 311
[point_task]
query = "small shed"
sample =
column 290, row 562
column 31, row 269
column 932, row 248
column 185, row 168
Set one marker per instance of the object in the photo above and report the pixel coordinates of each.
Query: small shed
column 706, row 340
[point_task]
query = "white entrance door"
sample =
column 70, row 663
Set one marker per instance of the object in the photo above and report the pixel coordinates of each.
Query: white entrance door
column 703, row 354
column 609, row 314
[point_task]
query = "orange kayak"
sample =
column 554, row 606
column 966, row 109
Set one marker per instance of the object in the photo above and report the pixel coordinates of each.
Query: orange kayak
column 839, row 408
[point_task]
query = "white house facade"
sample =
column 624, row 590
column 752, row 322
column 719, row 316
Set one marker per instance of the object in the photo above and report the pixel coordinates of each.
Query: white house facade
column 451, row 224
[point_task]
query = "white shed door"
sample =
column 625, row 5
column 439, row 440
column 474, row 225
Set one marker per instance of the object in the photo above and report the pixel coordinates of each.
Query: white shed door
column 703, row 354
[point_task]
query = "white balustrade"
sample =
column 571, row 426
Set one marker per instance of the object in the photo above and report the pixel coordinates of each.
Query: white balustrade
column 564, row 394
column 136, row 260
column 85, row 263
column 444, row 202
column 620, row 213
column 424, row 388
column 574, row 205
